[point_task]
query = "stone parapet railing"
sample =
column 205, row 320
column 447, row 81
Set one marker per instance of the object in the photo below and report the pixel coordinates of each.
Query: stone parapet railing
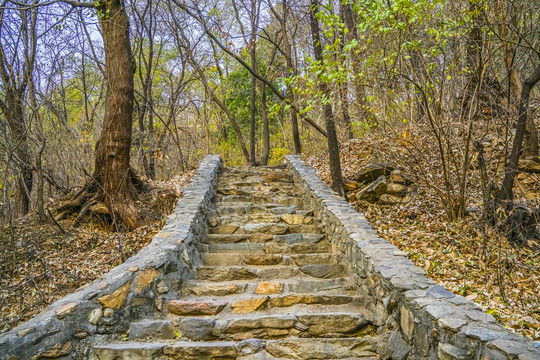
column 133, row 290
column 423, row 320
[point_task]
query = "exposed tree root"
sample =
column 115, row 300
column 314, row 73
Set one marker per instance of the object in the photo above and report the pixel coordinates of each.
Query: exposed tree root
column 118, row 208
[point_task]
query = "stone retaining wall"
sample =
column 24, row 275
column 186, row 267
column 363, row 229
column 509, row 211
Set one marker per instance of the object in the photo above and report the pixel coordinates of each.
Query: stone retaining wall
column 133, row 290
column 424, row 320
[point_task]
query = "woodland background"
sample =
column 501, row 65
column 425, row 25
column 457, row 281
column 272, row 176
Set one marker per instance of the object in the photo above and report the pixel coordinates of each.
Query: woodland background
column 100, row 102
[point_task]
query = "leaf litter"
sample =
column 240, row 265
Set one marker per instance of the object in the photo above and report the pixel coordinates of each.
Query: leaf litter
column 40, row 264
column 482, row 266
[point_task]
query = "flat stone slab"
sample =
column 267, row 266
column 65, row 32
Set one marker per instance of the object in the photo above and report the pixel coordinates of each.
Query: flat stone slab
column 127, row 350
column 310, row 349
column 196, row 307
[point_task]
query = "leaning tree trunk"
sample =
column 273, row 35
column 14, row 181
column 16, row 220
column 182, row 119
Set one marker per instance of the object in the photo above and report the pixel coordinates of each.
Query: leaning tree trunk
column 112, row 155
column 333, row 145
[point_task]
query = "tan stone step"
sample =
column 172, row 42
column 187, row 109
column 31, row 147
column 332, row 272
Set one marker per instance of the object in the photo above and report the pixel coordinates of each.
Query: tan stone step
column 228, row 259
column 293, row 285
column 128, row 350
column 308, row 349
column 279, row 200
column 226, row 273
column 257, row 190
column 290, row 239
column 252, row 326
column 287, row 219
column 251, row 349
column 268, row 228
column 233, row 209
column 322, row 246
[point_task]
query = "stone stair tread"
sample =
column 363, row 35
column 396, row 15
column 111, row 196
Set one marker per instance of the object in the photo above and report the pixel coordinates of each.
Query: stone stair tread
column 231, row 259
column 291, row 285
column 222, row 273
column 267, row 248
column 291, row 238
column 255, row 209
column 282, row 349
column 254, row 325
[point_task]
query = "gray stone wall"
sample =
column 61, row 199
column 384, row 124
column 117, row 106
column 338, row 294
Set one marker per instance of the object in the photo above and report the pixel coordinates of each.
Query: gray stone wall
column 131, row 291
column 423, row 320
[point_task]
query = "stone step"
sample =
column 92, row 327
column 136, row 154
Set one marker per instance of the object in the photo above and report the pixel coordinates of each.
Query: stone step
column 252, row 183
column 226, row 273
column 257, row 190
column 260, row 305
column 290, row 239
column 269, row 228
column 287, row 219
column 242, row 327
column 251, row 349
column 292, row 285
column 322, row 246
column 129, row 350
column 333, row 348
column 269, row 303
column 228, row 259
column 256, row 209
column 181, row 350
column 279, row 200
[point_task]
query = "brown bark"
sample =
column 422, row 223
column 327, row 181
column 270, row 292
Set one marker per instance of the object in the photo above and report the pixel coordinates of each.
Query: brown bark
column 147, row 143
column 12, row 106
column 266, row 128
column 347, row 12
column 112, row 154
column 333, row 145
column 511, row 169
column 288, row 58
column 530, row 144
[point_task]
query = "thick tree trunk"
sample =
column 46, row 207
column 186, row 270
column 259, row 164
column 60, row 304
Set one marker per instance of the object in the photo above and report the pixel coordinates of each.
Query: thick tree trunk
column 333, row 145
column 112, row 155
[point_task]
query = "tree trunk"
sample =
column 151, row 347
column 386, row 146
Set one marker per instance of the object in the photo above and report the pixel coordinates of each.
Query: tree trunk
column 112, row 154
column 511, row 168
column 253, row 107
column 333, row 145
column 266, row 128
column 347, row 12
column 21, row 151
column 15, row 75
column 288, row 58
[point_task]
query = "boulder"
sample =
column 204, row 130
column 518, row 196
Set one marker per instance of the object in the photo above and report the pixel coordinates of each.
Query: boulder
column 372, row 172
column 350, row 185
column 387, row 199
column 373, row 192
column 397, row 177
column 396, row 189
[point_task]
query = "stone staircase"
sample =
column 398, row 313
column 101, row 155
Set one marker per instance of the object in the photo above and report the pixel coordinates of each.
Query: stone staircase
column 268, row 286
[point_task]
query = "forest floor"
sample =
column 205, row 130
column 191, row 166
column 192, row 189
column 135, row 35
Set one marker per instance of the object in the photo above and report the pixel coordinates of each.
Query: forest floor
column 41, row 263
column 502, row 279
